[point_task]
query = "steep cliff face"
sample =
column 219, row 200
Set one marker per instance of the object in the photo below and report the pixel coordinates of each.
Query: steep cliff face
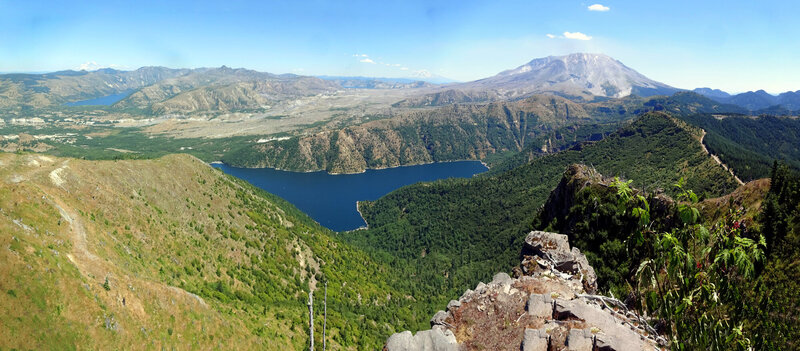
column 442, row 134
column 548, row 306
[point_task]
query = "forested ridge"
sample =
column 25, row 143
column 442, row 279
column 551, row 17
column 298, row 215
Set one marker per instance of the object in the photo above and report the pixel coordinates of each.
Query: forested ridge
column 446, row 235
column 749, row 145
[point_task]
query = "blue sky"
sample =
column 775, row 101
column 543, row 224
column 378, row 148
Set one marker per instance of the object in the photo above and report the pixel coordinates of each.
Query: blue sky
column 731, row 45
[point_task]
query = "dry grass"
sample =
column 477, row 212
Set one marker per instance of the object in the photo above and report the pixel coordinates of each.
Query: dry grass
column 139, row 224
column 747, row 197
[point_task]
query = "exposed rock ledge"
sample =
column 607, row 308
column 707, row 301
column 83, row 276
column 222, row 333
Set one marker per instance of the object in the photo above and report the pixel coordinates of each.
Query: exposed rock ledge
column 548, row 307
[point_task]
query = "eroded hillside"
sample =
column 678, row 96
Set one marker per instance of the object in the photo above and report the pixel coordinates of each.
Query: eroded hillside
column 454, row 132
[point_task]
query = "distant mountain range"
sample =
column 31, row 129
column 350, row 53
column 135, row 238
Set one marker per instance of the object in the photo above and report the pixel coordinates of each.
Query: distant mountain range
column 358, row 82
column 580, row 77
column 755, row 100
column 39, row 90
column 224, row 89
column 161, row 89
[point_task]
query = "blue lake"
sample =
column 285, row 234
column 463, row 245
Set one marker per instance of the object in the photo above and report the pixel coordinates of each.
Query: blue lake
column 331, row 199
column 102, row 101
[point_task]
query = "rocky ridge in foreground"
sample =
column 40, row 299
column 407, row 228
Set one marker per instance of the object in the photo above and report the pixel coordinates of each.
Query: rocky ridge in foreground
column 549, row 306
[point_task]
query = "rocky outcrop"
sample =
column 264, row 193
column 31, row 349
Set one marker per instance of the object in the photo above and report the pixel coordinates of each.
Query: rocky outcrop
column 561, row 214
column 562, row 198
column 548, row 306
column 437, row 338
column 550, row 252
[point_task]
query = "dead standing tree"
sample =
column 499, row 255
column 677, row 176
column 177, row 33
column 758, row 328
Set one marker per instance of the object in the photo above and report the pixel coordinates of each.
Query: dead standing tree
column 325, row 319
column 311, row 317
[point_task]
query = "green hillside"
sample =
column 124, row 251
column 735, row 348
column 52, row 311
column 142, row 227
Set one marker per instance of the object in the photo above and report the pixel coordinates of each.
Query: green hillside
column 171, row 253
column 749, row 145
column 452, row 233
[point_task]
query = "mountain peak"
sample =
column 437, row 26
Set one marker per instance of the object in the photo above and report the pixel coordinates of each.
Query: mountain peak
column 577, row 56
column 712, row 93
column 582, row 75
column 566, row 60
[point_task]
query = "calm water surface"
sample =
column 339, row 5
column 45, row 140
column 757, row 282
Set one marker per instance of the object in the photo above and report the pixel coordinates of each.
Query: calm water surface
column 101, row 101
column 331, row 199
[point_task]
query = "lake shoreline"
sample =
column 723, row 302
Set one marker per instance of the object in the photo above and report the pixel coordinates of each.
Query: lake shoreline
column 358, row 209
column 220, row 162
column 329, row 198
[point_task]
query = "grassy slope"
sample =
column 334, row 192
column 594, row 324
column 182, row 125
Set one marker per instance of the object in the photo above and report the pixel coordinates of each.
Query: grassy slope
column 162, row 231
column 452, row 233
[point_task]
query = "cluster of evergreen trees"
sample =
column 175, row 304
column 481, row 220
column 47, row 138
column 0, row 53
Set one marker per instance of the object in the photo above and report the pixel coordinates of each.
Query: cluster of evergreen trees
column 445, row 236
column 749, row 145
column 772, row 307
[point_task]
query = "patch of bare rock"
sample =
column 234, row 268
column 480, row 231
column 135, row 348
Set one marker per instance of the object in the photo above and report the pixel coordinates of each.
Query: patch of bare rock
column 550, row 305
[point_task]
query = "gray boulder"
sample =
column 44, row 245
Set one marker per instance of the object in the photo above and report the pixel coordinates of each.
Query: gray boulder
column 554, row 248
column 548, row 245
column 586, row 270
column 436, row 339
column 540, row 306
column 439, row 318
column 502, row 279
column 580, row 340
column 535, row 340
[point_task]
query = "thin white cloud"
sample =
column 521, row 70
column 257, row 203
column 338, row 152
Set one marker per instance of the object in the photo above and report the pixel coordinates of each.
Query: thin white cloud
column 423, row 73
column 93, row 66
column 599, row 8
column 89, row 66
column 577, row 36
column 550, row 36
column 364, row 58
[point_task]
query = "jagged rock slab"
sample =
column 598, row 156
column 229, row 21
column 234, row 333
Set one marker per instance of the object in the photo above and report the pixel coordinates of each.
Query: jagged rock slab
column 551, row 251
column 436, row 339
column 543, row 309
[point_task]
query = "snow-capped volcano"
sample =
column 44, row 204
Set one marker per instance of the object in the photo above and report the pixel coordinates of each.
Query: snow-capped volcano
column 574, row 74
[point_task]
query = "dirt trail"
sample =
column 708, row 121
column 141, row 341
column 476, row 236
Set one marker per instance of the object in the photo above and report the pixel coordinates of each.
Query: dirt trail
column 717, row 158
column 87, row 262
column 78, row 235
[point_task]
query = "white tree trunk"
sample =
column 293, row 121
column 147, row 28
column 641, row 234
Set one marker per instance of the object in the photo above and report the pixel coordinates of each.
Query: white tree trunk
column 311, row 317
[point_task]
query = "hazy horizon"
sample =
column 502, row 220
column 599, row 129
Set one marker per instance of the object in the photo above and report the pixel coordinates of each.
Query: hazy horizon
column 684, row 44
